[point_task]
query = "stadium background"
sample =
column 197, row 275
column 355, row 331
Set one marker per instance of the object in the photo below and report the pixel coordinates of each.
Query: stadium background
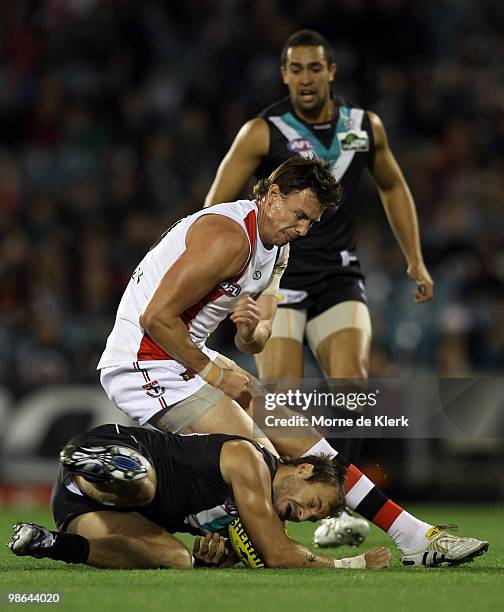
column 114, row 116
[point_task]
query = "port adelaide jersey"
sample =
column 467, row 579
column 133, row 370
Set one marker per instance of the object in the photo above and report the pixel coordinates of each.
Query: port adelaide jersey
column 347, row 141
column 191, row 494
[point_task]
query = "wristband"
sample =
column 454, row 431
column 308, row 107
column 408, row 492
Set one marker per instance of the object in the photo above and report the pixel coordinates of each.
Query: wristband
column 351, row 563
column 211, row 373
column 274, row 284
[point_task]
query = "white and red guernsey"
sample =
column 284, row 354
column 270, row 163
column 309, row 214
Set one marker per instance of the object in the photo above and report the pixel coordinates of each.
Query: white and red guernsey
column 129, row 343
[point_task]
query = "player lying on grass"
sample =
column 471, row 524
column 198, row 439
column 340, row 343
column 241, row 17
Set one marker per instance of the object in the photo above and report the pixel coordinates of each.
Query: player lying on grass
column 228, row 260
column 123, row 491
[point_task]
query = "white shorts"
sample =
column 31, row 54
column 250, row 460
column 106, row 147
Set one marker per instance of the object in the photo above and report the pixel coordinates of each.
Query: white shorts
column 142, row 388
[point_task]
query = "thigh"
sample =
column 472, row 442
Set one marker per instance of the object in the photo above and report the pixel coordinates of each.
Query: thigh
column 282, row 357
column 340, row 339
column 128, row 540
column 228, row 417
column 105, row 523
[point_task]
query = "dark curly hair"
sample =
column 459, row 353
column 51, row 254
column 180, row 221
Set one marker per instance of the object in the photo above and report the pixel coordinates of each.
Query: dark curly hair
column 298, row 173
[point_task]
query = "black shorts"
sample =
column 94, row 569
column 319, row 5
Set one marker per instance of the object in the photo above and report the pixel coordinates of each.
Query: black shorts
column 65, row 504
column 326, row 292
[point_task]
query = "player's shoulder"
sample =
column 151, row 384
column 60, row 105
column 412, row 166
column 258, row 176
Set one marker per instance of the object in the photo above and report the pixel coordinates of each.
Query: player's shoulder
column 239, row 453
column 343, row 102
column 224, row 230
column 242, row 446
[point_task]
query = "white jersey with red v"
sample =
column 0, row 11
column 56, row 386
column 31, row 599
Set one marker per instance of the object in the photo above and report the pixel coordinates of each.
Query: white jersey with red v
column 129, row 343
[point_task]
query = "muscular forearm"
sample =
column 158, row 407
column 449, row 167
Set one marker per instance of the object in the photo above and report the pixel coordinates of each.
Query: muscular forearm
column 171, row 334
column 298, row 556
column 401, row 214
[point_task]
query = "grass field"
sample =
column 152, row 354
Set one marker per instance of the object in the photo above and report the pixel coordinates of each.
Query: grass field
column 477, row 586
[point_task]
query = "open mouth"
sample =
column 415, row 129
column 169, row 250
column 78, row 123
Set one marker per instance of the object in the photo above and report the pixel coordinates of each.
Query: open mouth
column 307, row 95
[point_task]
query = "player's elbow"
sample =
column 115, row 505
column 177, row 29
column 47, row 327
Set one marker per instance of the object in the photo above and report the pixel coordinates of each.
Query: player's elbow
column 275, row 560
column 150, row 320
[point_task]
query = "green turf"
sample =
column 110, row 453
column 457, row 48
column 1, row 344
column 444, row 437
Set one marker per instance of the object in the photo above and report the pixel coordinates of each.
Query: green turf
column 476, row 587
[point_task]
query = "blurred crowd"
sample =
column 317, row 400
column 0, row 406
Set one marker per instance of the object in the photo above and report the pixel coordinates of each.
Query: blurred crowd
column 114, row 116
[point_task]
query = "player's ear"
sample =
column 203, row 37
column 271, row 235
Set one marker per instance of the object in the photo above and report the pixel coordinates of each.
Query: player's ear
column 274, row 194
column 305, row 470
column 283, row 72
column 332, row 71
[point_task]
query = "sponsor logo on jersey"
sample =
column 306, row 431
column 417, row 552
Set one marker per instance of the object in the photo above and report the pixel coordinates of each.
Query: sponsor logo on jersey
column 355, row 140
column 257, row 275
column 187, row 375
column 153, row 389
column 291, row 296
column 230, row 289
column 300, row 145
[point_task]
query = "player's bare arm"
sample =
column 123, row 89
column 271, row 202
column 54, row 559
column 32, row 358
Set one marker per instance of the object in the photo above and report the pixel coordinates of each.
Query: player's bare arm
column 196, row 272
column 399, row 208
column 254, row 322
column 240, row 162
column 243, row 468
column 254, row 319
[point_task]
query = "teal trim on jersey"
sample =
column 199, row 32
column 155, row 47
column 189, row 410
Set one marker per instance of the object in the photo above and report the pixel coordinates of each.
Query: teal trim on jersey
column 218, row 523
column 322, row 152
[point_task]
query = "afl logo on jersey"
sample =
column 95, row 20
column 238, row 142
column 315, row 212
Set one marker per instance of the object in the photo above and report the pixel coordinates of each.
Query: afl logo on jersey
column 230, row 289
column 300, row 145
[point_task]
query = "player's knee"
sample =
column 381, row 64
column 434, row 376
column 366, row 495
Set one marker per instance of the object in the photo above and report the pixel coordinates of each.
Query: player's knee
column 179, row 558
column 144, row 493
column 355, row 369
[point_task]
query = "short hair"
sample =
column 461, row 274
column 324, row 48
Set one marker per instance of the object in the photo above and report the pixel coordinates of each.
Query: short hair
column 298, row 173
column 326, row 471
column 307, row 38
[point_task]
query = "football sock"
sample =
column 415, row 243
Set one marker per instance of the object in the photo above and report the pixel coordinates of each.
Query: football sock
column 365, row 498
column 68, row 547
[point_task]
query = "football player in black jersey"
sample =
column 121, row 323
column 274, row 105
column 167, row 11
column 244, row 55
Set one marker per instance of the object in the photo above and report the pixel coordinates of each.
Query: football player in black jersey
column 322, row 294
column 123, row 491
column 324, row 297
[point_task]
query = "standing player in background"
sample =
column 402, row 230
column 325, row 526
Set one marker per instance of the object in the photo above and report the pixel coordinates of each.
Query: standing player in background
column 323, row 297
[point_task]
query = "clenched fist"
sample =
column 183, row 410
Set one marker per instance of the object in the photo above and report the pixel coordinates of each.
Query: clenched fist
column 246, row 317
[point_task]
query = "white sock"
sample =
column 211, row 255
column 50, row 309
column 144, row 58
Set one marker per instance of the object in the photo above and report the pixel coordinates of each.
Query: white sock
column 322, row 447
column 408, row 532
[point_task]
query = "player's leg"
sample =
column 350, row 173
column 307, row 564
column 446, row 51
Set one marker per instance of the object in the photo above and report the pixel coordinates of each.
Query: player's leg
column 129, row 541
column 108, row 539
column 419, row 543
column 340, row 339
column 209, row 411
column 110, row 474
column 282, row 358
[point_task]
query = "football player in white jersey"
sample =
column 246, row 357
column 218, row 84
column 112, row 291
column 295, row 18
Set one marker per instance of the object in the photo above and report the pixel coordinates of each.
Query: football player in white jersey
column 157, row 368
column 227, row 259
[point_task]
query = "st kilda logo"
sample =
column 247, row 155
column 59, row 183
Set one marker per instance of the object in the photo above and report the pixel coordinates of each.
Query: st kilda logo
column 153, row 389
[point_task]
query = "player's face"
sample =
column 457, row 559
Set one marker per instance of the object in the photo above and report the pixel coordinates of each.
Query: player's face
column 308, row 77
column 290, row 217
column 297, row 499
